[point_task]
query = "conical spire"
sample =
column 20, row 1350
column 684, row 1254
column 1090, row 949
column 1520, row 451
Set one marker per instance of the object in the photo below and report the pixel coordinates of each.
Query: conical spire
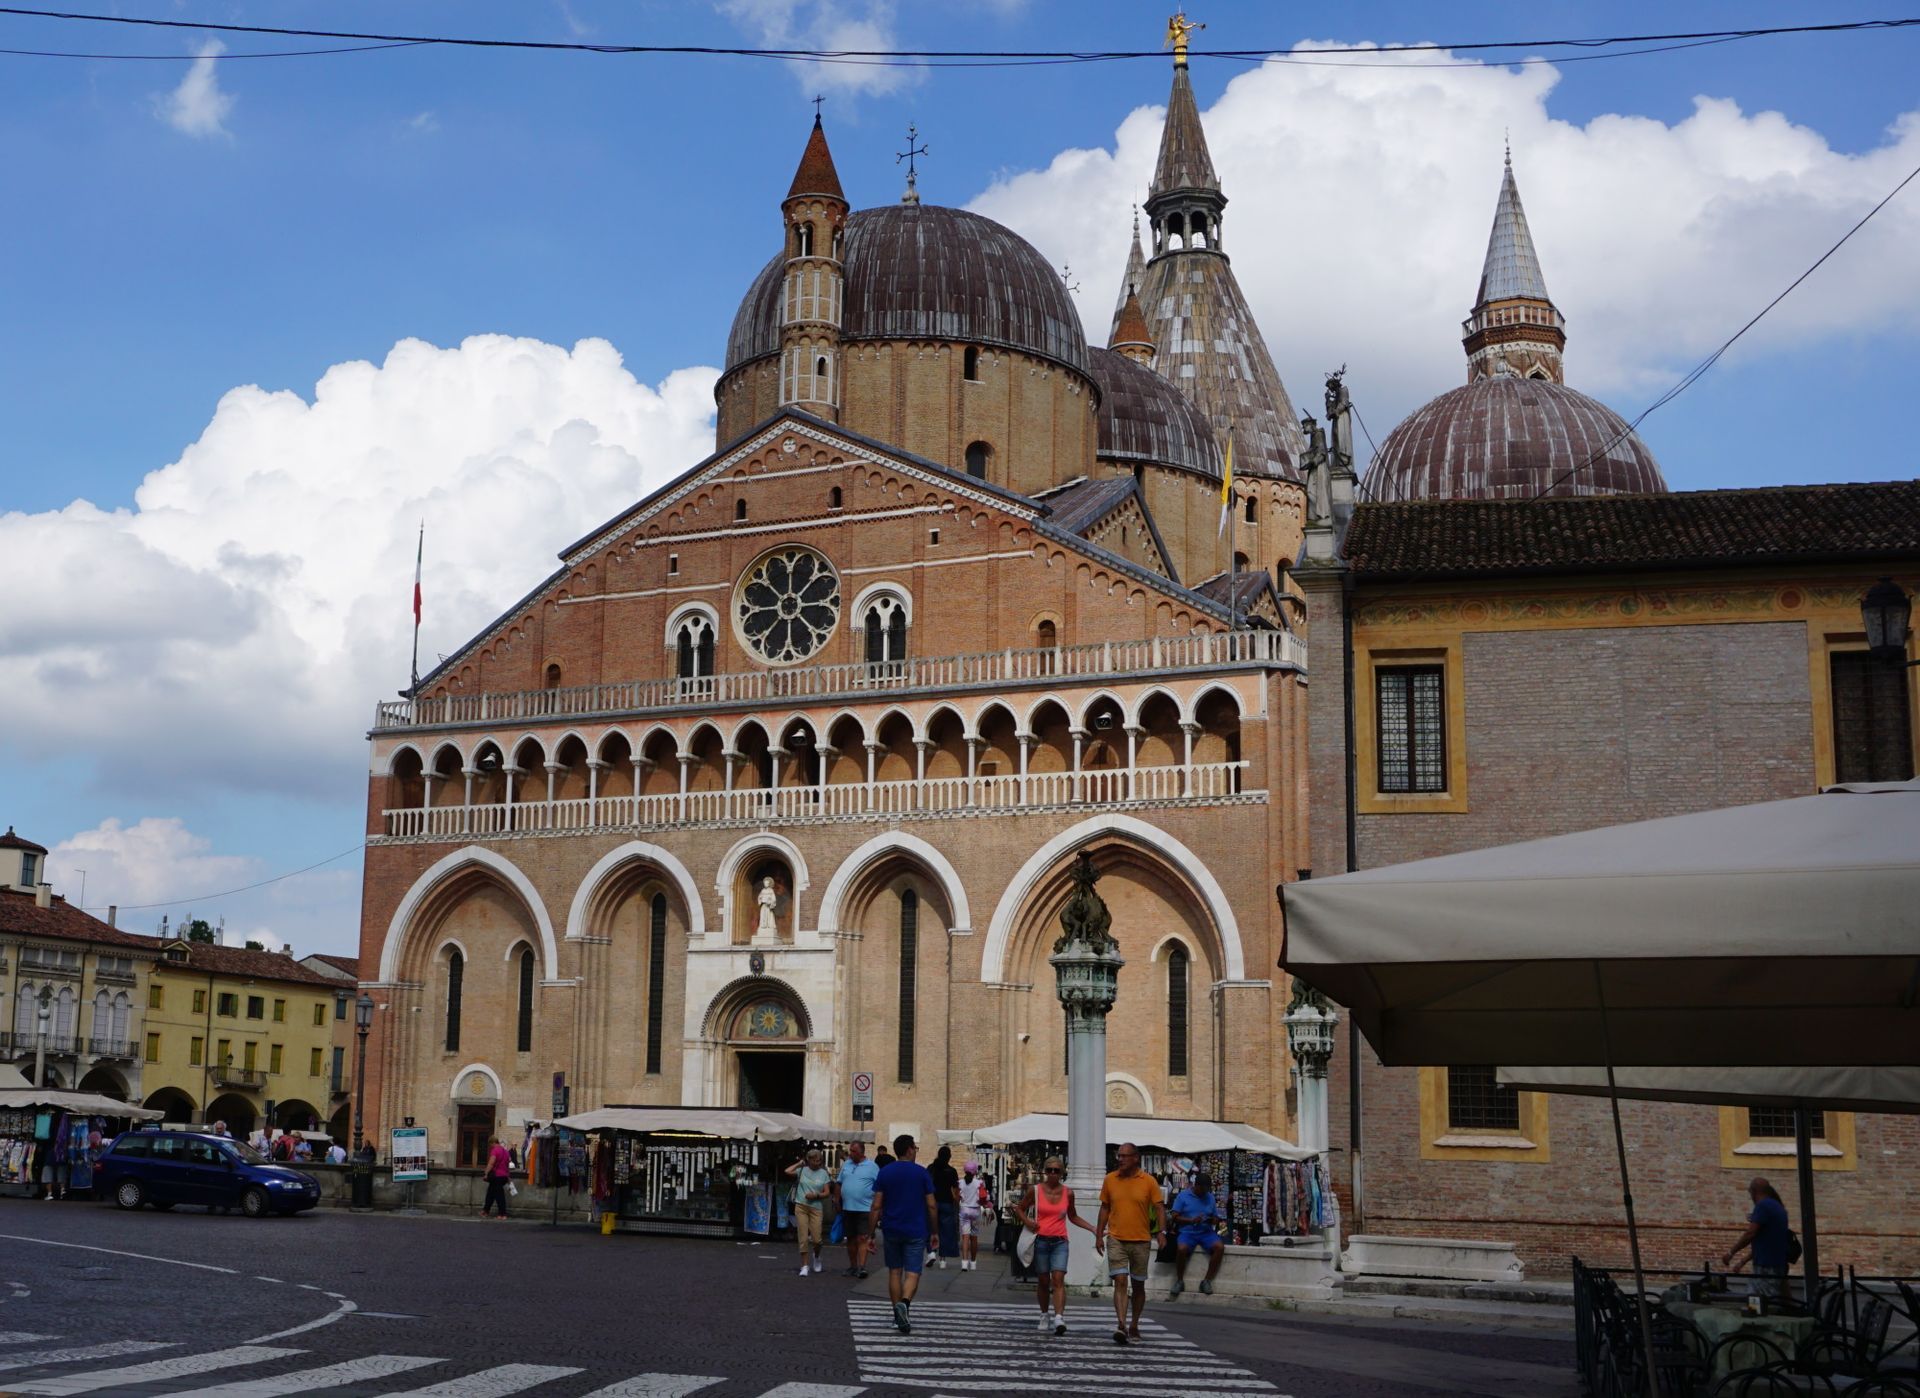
column 1136, row 268
column 1131, row 336
column 1184, row 161
column 1512, row 267
column 816, row 174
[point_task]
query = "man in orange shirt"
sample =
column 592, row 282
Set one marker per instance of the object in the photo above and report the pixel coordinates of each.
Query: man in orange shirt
column 1132, row 1215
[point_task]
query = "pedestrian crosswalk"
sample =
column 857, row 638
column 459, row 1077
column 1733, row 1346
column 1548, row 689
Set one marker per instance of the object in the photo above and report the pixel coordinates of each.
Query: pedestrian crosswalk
column 962, row 1347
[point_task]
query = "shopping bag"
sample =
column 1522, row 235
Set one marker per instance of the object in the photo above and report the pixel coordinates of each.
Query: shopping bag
column 1024, row 1248
column 838, row 1233
column 513, row 1189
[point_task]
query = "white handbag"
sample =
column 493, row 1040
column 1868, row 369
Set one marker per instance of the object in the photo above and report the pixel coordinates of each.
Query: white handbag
column 1023, row 1249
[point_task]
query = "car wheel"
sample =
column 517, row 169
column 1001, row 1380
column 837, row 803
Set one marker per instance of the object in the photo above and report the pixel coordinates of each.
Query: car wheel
column 255, row 1204
column 129, row 1194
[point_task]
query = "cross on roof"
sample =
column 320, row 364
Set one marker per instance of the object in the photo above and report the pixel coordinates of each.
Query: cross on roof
column 816, row 107
column 913, row 150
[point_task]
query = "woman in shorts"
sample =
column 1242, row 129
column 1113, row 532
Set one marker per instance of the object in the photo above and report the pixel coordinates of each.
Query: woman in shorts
column 1047, row 1208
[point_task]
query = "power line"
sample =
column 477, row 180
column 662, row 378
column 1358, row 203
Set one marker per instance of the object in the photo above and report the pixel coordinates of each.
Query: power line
column 247, row 888
column 911, row 57
column 196, row 57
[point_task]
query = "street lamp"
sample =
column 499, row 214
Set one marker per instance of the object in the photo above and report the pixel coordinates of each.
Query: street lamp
column 1310, row 1020
column 362, row 1169
column 1086, row 965
column 1885, row 612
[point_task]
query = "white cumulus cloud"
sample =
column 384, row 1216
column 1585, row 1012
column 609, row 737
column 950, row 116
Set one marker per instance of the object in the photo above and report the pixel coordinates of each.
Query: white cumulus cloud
column 1360, row 199
column 827, row 25
column 232, row 629
column 198, row 106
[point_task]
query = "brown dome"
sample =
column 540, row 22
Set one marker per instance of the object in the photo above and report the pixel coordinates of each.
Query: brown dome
column 922, row 272
column 1511, row 438
column 1143, row 417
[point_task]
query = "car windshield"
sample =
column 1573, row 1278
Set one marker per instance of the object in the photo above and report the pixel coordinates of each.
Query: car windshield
column 246, row 1152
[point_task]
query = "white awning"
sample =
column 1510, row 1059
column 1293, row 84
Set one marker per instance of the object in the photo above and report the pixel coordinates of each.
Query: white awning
column 1179, row 1137
column 85, row 1103
column 729, row 1123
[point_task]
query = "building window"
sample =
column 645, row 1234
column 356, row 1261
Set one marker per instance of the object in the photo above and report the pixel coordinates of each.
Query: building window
column 1412, row 728
column 977, row 454
column 805, row 234
column 156, row 997
column 228, row 1004
column 29, row 870
column 740, row 509
column 693, row 648
column 314, row 1057
column 553, row 677
column 279, row 1011
column 153, row 1048
column 909, row 978
column 970, row 365
column 933, row 537
column 223, row 1054
column 196, row 1051
column 833, row 498
column 1872, row 730
column 340, row 1005
column 656, row 979
column 456, row 973
column 250, row 1055
column 199, row 1002
column 1476, row 1101
column 176, row 953
column 337, row 1080
column 1776, row 1123
column 886, row 626
column 523, row 1033
column 320, row 1014
column 1178, row 966
column 1252, row 506
column 275, row 1057
column 673, row 565
column 256, row 1007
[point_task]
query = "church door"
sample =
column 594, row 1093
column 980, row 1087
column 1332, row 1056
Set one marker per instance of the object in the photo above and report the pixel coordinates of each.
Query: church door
column 476, row 1134
column 773, row 1082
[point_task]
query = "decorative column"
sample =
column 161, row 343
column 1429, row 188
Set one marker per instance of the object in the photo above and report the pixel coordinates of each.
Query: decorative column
column 1310, row 1019
column 1134, row 733
column 687, row 760
column 1026, row 742
column 1188, row 731
column 824, row 755
column 1079, row 742
column 873, row 757
column 1086, row 965
column 973, row 770
column 553, row 776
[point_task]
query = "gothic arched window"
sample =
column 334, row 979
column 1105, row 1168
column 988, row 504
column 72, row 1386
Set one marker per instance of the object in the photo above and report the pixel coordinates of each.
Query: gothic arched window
column 694, row 646
column 909, row 978
column 456, row 974
column 656, row 978
column 977, row 454
column 523, row 1037
column 1179, row 969
column 805, row 243
column 886, row 627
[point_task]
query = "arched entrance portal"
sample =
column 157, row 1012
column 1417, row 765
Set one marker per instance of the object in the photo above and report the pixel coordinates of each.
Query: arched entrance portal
column 236, row 1111
column 476, row 1100
column 764, row 1031
column 175, row 1104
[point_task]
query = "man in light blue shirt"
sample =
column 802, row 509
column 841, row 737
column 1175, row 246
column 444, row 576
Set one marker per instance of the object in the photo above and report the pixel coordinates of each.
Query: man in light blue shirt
column 853, row 1192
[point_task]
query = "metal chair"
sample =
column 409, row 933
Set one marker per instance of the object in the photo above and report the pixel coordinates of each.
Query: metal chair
column 1770, row 1381
column 1743, row 1351
column 1882, row 1386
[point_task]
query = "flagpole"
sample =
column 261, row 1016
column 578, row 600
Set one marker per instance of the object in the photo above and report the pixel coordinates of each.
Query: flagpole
column 419, row 556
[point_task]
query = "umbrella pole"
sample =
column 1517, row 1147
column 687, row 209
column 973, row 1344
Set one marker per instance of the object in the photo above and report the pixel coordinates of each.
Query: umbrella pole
column 1626, row 1191
column 1809, row 1237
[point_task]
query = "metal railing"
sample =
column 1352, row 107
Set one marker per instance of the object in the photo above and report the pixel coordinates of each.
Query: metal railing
column 980, row 670
column 931, row 796
column 26, row 1044
column 111, row 1048
column 107, row 977
column 239, row 1077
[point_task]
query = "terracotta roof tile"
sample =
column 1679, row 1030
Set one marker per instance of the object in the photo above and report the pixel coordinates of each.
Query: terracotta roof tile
column 816, row 174
column 13, row 841
column 1611, row 533
column 20, row 915
column 238, row 961
column 349, row 964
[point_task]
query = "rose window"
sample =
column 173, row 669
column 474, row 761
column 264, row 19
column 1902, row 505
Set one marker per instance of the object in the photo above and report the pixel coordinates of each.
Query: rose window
column 788, row 604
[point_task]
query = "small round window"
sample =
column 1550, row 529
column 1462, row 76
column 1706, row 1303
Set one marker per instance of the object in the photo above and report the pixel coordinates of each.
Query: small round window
column 787, row 605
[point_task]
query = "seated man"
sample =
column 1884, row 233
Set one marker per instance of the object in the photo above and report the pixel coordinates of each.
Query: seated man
column 1197, row 1212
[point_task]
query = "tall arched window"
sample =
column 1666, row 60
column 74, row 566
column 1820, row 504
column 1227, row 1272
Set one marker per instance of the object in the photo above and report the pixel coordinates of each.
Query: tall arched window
column 977, row 454
column 740, row 508
column 694, row 647
column 1046, row 636
column 886, row 625
column 656, row 979
column 833, row 498
column 523, row 1035
column 24, row 1014
column 1178, row 967
column 970, row 365
column 806, row 240
column 909, row 978
column 456, row 974
column 122, row 1012
column 63, row 1014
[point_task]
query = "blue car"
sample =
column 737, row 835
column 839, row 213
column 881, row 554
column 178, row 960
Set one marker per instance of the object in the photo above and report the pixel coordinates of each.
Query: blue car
column 164, row 1168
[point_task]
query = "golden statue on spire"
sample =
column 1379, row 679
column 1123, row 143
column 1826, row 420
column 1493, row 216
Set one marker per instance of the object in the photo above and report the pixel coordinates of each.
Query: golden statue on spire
column 1178, row 29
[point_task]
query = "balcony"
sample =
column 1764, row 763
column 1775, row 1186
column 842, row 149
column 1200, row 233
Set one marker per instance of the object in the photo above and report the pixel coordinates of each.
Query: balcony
column 987, row 670
column 1200, row 783
column 111, row 1048
column 244, row 1078
column 25, row 1045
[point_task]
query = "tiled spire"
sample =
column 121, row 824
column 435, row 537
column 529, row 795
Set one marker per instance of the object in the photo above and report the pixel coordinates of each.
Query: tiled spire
column 1512, row 267
column 1515, row 328
column 816, row 174
column 1130, row 282
column 1184, row 161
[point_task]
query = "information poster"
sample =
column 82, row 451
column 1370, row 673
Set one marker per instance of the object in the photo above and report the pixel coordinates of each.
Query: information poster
column 759, row 1209
column 409, row 1154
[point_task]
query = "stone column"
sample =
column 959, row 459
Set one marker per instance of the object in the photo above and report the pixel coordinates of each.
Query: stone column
column 553, row 776
column 1188, row 730
column 1079, row 741
column 873, row 757
column 1086, row 965
column 687, row 760
column 1134, row 733
column 1310, row 1020
column 1026, row 742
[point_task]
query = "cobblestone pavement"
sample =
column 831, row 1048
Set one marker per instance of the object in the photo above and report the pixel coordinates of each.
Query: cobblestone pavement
column 93, row 1300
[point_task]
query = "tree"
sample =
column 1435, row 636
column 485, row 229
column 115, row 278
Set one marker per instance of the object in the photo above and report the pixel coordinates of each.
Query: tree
column 255, row 946
column 200, row 930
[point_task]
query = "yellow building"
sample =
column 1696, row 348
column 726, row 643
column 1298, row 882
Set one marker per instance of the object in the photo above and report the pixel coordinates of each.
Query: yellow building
column 229, row 1031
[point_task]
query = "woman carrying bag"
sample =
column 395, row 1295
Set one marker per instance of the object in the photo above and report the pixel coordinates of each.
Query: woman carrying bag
column 810, row 1182
column 1046, row 1209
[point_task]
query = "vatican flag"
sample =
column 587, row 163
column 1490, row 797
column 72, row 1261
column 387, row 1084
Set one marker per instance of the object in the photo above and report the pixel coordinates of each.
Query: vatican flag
column 1226, row 486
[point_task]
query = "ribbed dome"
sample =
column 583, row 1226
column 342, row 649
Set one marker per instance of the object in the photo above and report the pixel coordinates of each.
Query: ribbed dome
column 922, row 272
column 1511, row 438
column 1143, row 417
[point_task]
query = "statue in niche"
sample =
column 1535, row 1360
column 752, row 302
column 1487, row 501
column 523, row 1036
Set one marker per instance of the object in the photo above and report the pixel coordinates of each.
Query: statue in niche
column 768, row 900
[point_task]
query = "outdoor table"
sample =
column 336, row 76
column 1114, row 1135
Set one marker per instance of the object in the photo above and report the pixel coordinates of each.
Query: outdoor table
column 1718, row 1322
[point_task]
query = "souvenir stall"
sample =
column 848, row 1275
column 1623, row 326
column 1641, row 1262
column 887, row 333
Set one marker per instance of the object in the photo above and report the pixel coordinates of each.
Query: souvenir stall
column 1267, row 1187
column 705, row 1171
column 49, row 1139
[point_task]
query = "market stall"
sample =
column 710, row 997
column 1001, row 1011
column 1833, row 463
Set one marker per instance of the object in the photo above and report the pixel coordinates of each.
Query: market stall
column 711, row 1171
column 50, row 1139
column 1268, row 1187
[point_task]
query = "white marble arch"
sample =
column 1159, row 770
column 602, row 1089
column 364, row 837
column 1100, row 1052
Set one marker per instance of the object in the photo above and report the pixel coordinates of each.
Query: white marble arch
column 640, row 850
column 764, row 841
column 472, row 856
column 914, row 848
column 993, row 965
column 459, row 1081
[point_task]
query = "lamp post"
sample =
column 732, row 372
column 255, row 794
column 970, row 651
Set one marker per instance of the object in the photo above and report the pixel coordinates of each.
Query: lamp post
column 1310, row 1020
column 362, row 1168
column 1885, row 612
column 1086, row 965
column 43, row 1012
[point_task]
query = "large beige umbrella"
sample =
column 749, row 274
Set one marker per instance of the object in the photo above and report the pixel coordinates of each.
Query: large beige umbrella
column 1780, row 934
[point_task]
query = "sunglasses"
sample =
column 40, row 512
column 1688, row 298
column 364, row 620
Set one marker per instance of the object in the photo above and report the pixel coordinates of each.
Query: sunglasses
column 1053, row 1169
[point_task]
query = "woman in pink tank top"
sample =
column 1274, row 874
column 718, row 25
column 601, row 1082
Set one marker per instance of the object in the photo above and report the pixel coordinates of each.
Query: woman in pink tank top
column 1047, row 1208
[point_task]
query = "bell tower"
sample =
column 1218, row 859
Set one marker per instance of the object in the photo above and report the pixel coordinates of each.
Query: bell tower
column 1515, row 328
column 812, row 292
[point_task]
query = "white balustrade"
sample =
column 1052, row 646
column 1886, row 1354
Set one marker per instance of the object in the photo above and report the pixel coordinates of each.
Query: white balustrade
column 793, row 805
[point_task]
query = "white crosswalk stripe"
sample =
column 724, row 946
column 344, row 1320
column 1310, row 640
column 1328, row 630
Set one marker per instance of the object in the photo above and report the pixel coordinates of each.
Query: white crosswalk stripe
column 491, row 1383
column 981, row 1347
column 372, row 1366
column 656, row 1386
column 179, row 1366
column 20, row 1337
column 814, row 1390
column 28, row 1358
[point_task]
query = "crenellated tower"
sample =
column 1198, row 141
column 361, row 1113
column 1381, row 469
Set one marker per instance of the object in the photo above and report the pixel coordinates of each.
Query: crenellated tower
column 814, row 285
column 1515, row 328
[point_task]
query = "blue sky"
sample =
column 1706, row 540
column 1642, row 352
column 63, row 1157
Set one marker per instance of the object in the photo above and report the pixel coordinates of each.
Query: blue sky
column 340, row 205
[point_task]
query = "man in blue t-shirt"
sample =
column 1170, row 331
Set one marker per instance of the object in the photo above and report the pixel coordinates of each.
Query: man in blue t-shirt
column 1769, row 1235
column 903, row 1204
column 853, row 1194
column 1197, row 1211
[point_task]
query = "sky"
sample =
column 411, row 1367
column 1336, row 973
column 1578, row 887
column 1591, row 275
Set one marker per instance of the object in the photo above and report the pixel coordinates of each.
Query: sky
column 261, row 317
